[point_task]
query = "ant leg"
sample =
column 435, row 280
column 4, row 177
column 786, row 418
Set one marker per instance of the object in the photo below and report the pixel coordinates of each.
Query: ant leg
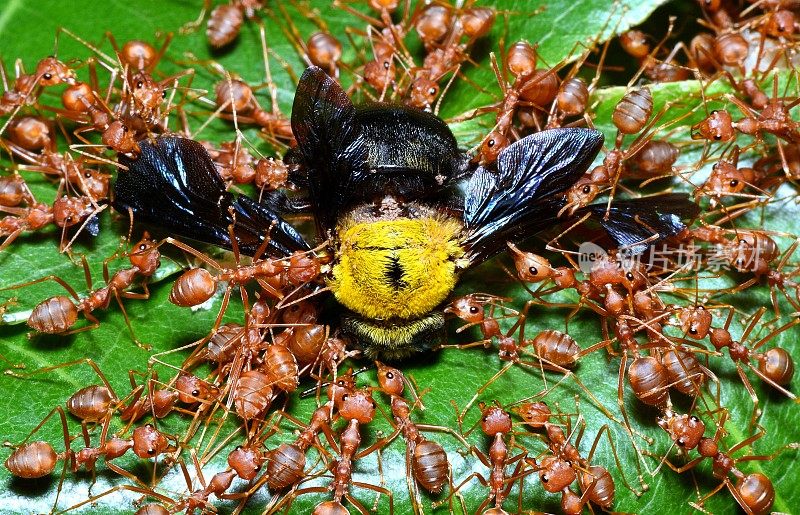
column 57, row 279
column 605, row 429
column 196, row 253
column 88, row 361
column 131, row 488
column 453, row 491
column 486, row 385
column 379, row 489
column 295, row 493
column 138, row 343
column 94, row 324
column 383, row 442
column 627, row 425
column 749, row 387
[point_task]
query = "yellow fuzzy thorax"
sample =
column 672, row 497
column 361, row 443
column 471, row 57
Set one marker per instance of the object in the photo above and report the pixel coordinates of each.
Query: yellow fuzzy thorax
column 399, row 268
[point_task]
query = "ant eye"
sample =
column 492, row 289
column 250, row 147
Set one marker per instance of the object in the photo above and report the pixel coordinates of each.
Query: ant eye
column 142, row 246
column 47, row 76
column 533, row 270
column 717, row 136
column 545, row 479
column 257, row 468
column 389, row 375
column 149, row 426
column 681, row 442
column 490, row 143
column 87, row 174
column 163, row 94
column 374, row 406
column 345, row 396
column 629, row 276
column 694, row 419
column 195, row 392
column 386, row 64
column 473, row 309
column 587, row 189
column 140, row 84
column 734, row 183
column 693, row 330
column 151, row 451
column 432, row 91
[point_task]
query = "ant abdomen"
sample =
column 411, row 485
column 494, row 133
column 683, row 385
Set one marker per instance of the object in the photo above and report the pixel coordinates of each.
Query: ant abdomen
column 54, row 315
column 32, row 460
column 194, row 287
column 648, row 380
column 430, row 466
column 777, row 364
column 757, row 492
column 90, row 403
column 632, row 112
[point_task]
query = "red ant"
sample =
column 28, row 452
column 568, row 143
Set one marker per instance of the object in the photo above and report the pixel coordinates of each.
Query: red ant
column 57, row 315
column 753, row 492
column 65, row 212
column 496, row 424
column 426, row 461
column 775, row 366
column 28, row 87
column 727, row 179
column 37, row 459
column 357, row 408
column 286, row 463
column 225, row 20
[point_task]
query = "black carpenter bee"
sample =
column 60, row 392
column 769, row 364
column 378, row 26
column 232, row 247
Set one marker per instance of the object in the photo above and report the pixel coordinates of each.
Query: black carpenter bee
column 403, row 210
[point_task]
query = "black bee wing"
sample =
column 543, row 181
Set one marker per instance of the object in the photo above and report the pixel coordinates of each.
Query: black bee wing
column 330, row 141
column 517, row 199
column 637, row 223
column 174, row 185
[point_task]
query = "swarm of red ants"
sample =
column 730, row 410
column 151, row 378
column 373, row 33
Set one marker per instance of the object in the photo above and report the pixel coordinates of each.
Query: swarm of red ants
column 665, row 311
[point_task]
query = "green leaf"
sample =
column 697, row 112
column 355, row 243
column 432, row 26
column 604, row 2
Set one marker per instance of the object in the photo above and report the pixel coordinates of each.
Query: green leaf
column 450, row 377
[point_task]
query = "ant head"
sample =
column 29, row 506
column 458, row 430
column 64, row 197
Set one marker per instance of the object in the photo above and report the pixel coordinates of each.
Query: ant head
column 192, row 389
column 343, row 385
column 556, row 474
column 491, row 147
column 246, row 462
column 468, row 308
column 495, row 421
column 149, row 442
column 530, row 267
column 685, row 430
column 390, row 379
column 358, row 405
column 51, row 71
